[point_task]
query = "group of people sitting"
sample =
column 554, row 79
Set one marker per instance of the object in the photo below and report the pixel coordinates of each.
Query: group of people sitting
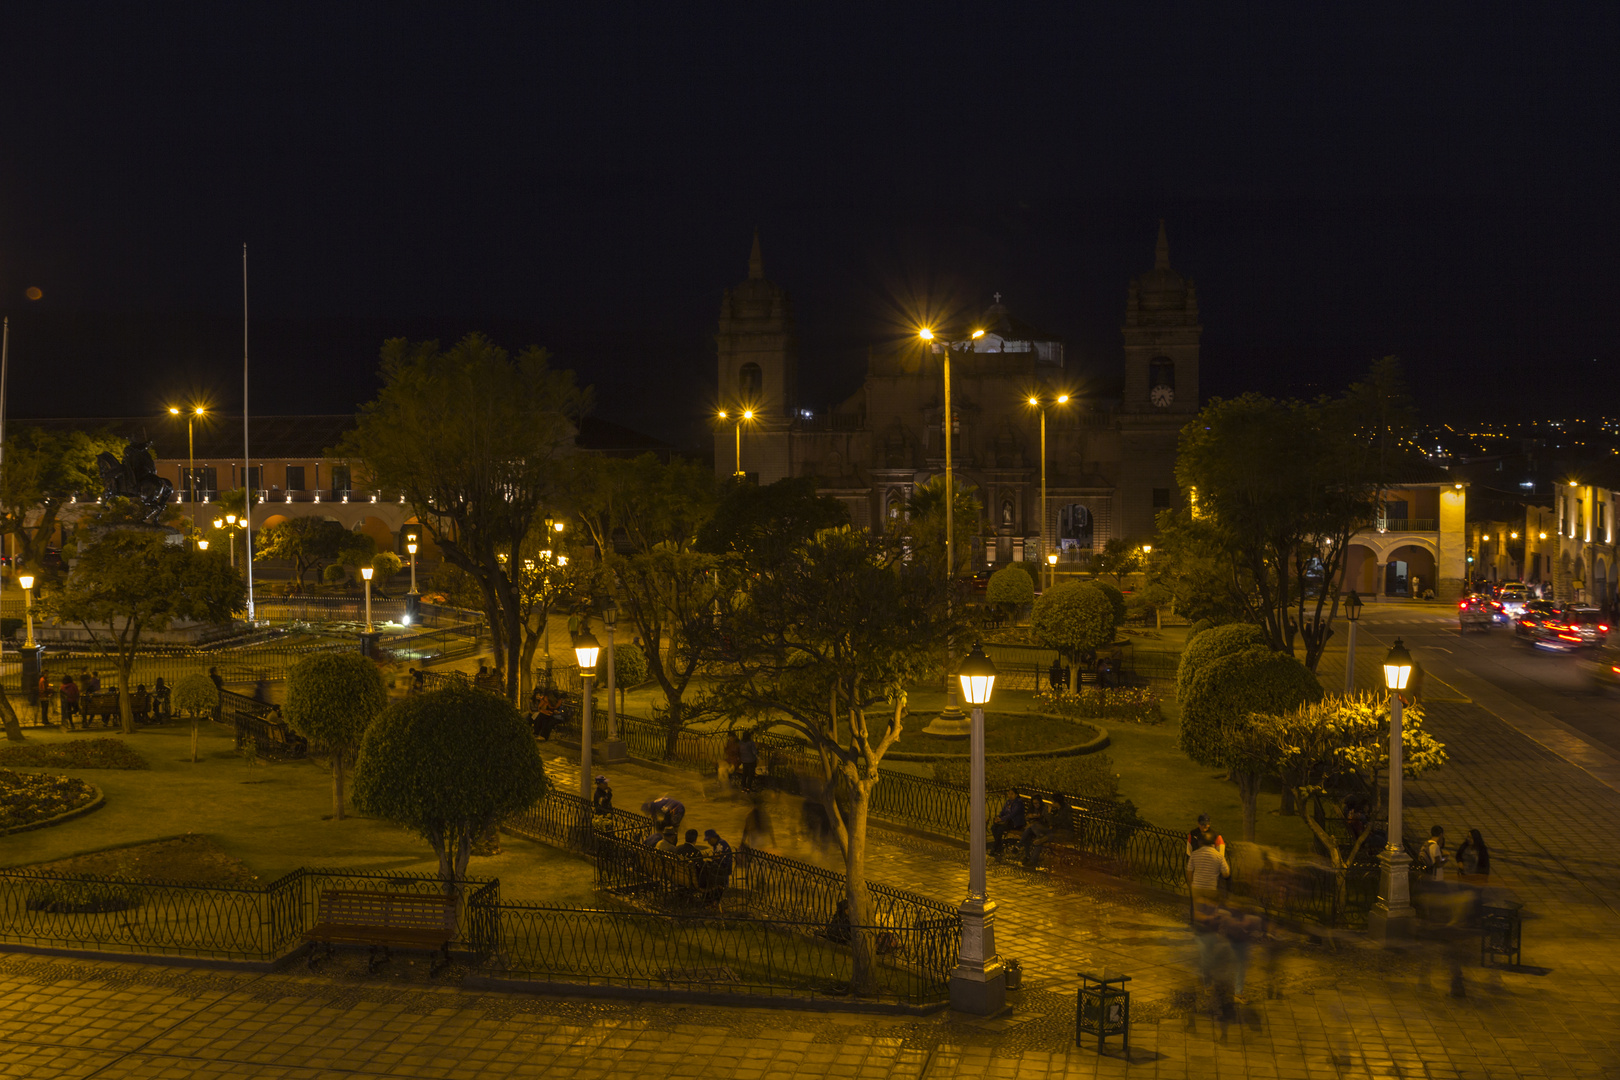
column 715, row 865
column 76, row 700
column 1033, row 820
column 545, row 710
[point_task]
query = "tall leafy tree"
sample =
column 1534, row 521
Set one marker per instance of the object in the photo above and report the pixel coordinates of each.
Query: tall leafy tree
column 309, row 543
column 43, row 472
column 126, row 582
column 331, row 699
column 764, row 525
column 476, row 439
column 827, row 643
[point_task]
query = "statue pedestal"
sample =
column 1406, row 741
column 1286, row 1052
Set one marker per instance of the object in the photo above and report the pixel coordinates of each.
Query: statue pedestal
column 950, row 727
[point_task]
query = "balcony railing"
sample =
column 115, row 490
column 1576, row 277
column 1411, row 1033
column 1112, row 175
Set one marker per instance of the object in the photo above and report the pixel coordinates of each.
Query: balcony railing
column 1411, row 525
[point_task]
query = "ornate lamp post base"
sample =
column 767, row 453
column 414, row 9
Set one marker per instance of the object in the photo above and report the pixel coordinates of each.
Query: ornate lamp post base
column 615, row 753
column 1392, row 916
column 979, row 983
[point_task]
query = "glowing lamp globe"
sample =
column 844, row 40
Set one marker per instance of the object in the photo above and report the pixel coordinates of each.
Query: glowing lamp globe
column 1397, row 667
column 978, row 677
column 585, row 649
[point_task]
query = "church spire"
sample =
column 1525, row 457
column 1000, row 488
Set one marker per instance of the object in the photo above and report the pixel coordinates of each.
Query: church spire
column 1161, row 254
column 756, row 261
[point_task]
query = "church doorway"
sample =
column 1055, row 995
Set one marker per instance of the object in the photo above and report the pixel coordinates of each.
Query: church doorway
column 1074, row 529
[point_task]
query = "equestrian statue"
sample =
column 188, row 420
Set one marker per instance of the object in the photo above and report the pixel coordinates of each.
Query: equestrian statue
column 135, row 478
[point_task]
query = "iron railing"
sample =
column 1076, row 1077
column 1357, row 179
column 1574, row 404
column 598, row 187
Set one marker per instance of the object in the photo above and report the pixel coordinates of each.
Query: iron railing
column 723, row 954
column 169, row 918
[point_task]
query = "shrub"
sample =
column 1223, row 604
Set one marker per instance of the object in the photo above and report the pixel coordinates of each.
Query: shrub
column 195, row 694
column 335, row 575
column 384, row 565
column 1138, row 704
column 1212, row 643
column 1115, row 598
column 83, row 897
column 1075, row 618
column 331, row 699
column 88, row 754
column 629, row 665
column 1010, row 587
column 449, row 765
column 1221, row 692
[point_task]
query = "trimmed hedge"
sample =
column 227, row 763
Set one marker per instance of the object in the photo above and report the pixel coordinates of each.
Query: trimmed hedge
column 1221, row 692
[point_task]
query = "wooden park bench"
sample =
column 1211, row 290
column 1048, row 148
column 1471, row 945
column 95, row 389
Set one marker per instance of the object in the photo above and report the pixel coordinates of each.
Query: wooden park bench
column 383, row 921
column 102, row 706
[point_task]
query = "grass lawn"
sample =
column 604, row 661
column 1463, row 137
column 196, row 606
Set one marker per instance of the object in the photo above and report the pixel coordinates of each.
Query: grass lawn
column 270, row 817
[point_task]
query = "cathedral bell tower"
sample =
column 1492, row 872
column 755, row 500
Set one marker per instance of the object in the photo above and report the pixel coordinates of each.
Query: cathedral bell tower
column 1161, row 335
column 758, row 370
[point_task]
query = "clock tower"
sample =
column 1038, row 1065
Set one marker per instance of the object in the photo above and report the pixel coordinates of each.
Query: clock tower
column 1161, row 334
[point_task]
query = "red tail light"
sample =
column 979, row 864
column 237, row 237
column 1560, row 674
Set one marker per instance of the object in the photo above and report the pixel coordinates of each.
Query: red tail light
column 1603, row 628
column 1463, row 606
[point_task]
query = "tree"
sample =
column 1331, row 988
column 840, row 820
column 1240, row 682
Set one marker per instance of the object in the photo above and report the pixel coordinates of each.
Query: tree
column 331, row 699
column 827, row 643
column 629, row 668
column 1116, row 599
column 310, row 542
column 127, row 581
column 44, row 471
column 764, row 525
column 195, row 694
column 1010, row 588
column 645, row 516
column 1221, row 693
column 1075, row 618
column 477, row 441
column 925, row 525
column 1345, row 735
column 1117, row 558
column 449, row 765
column 549, row 570
column 1215, row 642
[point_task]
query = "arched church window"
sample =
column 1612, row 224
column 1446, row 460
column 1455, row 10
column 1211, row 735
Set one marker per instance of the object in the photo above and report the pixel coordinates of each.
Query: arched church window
column 1161, row 372
column 750, row 383
column 894, row 507
column 1074, row 527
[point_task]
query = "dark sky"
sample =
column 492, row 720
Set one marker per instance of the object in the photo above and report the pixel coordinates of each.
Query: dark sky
column 1440, row 184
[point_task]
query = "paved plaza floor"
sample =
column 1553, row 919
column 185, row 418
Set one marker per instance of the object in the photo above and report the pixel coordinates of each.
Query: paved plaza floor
column 1314, row 1009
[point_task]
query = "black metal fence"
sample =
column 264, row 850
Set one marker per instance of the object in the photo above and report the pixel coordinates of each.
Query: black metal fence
column 723, row 954
column 115, row 914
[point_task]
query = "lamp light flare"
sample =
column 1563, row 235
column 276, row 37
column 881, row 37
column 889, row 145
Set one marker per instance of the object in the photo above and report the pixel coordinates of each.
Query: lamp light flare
column 977, row 334
column 926, row 334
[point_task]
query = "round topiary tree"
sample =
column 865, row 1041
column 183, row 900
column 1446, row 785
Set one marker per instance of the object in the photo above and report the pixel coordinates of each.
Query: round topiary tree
column 629, row 668
column 384, row 565
column 331, row 699
column 1075, row 618
column 1225, row 690
column 335, row 574
column 1010, row 588
column 195, row 694
column 1115, row 598
column 449, row 765
column 1212, row 642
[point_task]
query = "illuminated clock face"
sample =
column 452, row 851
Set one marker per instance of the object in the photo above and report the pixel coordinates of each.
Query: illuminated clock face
column 1162, row 396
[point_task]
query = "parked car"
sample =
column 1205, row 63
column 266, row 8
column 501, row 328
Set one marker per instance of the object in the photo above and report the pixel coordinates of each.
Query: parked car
column 1476, row 613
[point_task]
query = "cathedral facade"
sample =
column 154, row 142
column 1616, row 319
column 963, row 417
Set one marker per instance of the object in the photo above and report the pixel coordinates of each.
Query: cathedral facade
column 1110, row 460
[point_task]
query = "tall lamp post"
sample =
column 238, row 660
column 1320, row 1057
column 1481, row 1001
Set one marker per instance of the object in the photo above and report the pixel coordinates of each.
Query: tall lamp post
column 191, row 456
column 740, row 416
column 951, row 716
column 615, row 745
column 1391, row 917
column 413, row 599
column 979, row 984
column 27, row 583
column 30, row 651
column 1041, row 407
column 585, row 650
column 410, row 546
column 1051, row 568
column 1352, row 612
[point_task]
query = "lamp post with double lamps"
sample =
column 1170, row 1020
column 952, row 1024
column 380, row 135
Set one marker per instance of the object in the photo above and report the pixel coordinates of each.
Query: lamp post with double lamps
column 950, row 718
column 739, row 415
column 191, row 455
column 585, row 649
column 1391, row 916
column 1041, row 407
column 979, row 983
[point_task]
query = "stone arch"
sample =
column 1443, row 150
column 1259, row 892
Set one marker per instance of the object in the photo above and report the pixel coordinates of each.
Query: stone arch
column 1361, row 570
column 378, row 530
column 1409, row 569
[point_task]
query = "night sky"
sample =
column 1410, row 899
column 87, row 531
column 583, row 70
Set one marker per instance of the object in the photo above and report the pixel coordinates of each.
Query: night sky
column 1439, row 184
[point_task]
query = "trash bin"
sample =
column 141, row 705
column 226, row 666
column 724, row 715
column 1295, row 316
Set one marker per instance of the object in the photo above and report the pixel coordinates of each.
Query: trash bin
column 1104, row 1008
column 1499, row 932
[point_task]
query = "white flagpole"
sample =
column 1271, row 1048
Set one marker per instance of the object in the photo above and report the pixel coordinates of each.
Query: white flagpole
column 5, row 362
column 247, row 515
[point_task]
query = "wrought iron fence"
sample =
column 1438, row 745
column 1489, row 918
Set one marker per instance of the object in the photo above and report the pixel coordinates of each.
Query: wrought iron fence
column 724, row 954
column 169, row 918
column 566, row 821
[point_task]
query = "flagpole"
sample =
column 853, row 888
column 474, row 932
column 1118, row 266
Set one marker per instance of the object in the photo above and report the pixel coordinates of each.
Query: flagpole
column 247, row 503
column 5, row 363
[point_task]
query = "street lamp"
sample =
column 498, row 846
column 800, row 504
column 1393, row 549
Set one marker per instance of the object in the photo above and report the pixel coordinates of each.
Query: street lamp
column 410, row 546
column 27, row 583
column 1061, row 399
column 365, row 572
column 191, row 456
column 615, row 746
column 1051, row 563
column 1352, row 612
column 202, row 545
column 745, row 414
column 952, row 714
column 1391, row 916
column 585, row 649
column 978, row 985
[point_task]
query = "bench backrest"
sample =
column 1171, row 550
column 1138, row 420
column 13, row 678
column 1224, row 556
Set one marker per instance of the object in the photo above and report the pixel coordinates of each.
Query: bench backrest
column 388, row 910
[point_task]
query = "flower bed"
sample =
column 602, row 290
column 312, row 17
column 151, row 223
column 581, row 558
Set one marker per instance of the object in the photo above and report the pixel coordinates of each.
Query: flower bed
column 79, row 754
column 1138, row 704
column 26, row 798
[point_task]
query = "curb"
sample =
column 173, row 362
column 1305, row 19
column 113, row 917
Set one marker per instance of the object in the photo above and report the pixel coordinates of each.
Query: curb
column 65, row 816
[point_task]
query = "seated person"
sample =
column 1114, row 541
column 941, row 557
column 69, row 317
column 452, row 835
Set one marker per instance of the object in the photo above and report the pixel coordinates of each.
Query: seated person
column 140, row 704
column 838, row 926
column 160, row 697
column 1035, row 837
column 602, row 797
column 666, row 841
column 1011, row 819
column 689, row 849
